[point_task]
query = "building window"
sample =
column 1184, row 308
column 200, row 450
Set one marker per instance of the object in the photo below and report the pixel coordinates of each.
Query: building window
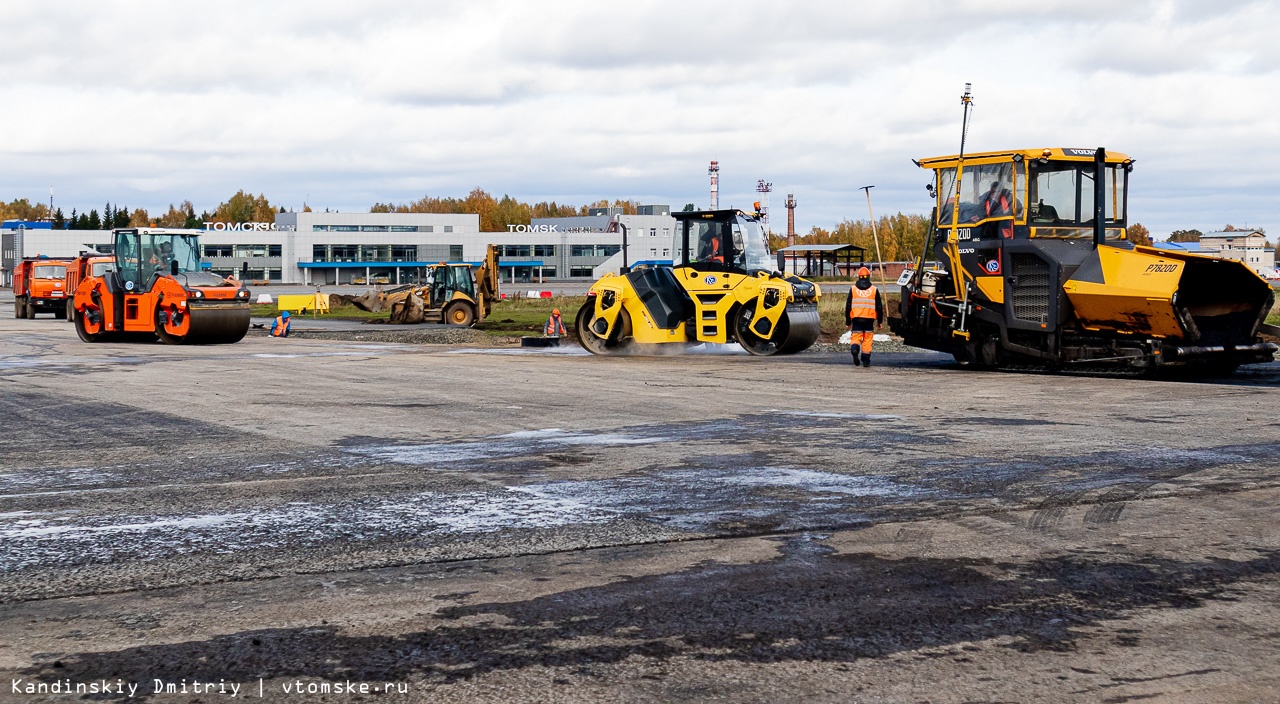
column 582, row 250
column 217, row 250
column 549, row 272
column 274, row 250
column 576, row 271
column 607, row 250
column 373, row 228
column 250, row 250
column 345, row 253
column 375, row 252
column 345, row 228
column 427, row 228
column 544, row 250
column 405, row 228
column 273, row 274
column 448, row 228
column 319, row 253
column 455, row 252
column 516, row 250
column 404, row 253
column 319, row 228
column 653, row 232
column 666, row 232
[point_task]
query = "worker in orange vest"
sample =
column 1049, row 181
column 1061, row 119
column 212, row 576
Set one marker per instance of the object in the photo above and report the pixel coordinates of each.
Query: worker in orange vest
column 280, row 328
column 555, row 326
column 864, row 312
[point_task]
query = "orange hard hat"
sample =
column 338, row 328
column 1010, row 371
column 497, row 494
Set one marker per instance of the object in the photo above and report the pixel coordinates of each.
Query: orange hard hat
column 864, row 273
column 555, row 311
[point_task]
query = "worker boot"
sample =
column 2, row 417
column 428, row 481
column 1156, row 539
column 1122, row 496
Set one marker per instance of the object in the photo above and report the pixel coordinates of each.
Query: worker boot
column 866, row 359
column 857, row 355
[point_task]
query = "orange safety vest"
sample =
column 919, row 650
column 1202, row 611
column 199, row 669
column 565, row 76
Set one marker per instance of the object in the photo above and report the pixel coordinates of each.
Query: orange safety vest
column 280, row 328
column 863, row 303
column 1006, row 228
column 555, row 326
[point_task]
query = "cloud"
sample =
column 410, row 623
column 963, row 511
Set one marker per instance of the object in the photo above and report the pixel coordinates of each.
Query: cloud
column 154, row 102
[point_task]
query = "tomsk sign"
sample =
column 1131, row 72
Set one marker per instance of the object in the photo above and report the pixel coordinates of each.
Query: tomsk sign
column 244, row 226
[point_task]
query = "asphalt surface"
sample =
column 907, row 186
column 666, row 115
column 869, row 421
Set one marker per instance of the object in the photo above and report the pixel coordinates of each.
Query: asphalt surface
column 455, row 523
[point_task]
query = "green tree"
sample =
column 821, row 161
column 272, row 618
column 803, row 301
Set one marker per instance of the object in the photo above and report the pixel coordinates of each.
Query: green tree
column 59, row 221
column 120, row 218
column 95, row 222
column 1139, row 235
column 244, row 207
column 689, row 208
column 1185, row 236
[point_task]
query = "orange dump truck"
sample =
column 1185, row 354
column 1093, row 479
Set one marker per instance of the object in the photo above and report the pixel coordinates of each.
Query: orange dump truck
column 82, row 267
column 40, row 286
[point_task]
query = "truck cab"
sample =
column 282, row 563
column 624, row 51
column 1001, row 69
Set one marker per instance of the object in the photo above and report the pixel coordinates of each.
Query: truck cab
column 39, row 286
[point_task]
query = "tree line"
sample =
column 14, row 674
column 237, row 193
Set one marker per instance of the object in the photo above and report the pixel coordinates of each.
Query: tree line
column 902, row 236
column 497, row 213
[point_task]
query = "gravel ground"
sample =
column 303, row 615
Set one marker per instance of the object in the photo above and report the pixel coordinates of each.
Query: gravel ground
column 500, row 525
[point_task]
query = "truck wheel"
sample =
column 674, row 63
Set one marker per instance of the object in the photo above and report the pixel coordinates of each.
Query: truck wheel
column 19, row 308
column 69, row 314
column 31, row 310
column 459, row 314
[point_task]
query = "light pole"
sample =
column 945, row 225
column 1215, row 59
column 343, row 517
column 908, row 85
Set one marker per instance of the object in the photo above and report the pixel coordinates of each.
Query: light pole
column 874, row 235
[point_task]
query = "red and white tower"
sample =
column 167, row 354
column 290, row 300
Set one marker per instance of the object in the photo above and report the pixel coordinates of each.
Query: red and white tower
column 714, row 172
column 791, row 219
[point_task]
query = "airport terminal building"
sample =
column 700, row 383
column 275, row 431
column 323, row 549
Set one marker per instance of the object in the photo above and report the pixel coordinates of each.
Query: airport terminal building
column 365, row 248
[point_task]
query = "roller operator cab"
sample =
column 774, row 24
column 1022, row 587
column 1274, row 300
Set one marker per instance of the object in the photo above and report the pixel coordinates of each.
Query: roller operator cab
column 156, row 286
column 1035, row 267
column 724, row 288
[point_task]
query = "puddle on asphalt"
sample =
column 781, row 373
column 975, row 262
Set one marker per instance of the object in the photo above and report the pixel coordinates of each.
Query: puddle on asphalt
column 568, row 350
column 27, row 542
column 833, row 414
column 513, row 444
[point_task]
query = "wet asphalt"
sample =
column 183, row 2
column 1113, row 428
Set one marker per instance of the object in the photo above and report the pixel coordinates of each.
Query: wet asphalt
column 707, row 526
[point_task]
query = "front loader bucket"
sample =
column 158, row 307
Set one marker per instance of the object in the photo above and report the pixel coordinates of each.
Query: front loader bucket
column 1176, row 296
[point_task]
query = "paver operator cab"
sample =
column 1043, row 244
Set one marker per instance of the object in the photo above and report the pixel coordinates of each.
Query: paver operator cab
column 157, row 287
column 725, row 288
column 1036, row 268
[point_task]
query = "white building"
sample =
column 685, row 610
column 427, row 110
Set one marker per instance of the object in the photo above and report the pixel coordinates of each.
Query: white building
column 1245, row 246
column 365, row 248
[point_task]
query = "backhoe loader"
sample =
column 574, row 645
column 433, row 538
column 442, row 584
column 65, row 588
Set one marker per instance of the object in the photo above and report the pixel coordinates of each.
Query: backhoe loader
column 454, row 294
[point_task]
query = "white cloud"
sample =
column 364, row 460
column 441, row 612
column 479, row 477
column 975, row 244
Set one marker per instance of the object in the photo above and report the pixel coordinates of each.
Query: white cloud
column 144, row 103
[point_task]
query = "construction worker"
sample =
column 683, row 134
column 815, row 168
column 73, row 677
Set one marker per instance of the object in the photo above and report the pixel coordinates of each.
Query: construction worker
column 555, row 326
column 280, row 328
column 864, row 312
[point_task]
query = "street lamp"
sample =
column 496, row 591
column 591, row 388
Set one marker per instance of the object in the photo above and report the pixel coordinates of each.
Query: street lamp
column 874, row 235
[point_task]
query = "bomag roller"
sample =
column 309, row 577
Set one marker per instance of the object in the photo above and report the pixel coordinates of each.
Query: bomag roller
column 1036, row 268
column 725, row 289
column 156, row 287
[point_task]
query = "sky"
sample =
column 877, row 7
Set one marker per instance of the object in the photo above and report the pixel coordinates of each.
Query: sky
column 341, row 105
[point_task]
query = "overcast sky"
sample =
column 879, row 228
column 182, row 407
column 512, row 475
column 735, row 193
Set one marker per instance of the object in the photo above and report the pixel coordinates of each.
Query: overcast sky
column 146, row 103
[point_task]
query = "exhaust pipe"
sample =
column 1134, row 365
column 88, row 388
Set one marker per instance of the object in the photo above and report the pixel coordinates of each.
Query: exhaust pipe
column 1099, row 197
